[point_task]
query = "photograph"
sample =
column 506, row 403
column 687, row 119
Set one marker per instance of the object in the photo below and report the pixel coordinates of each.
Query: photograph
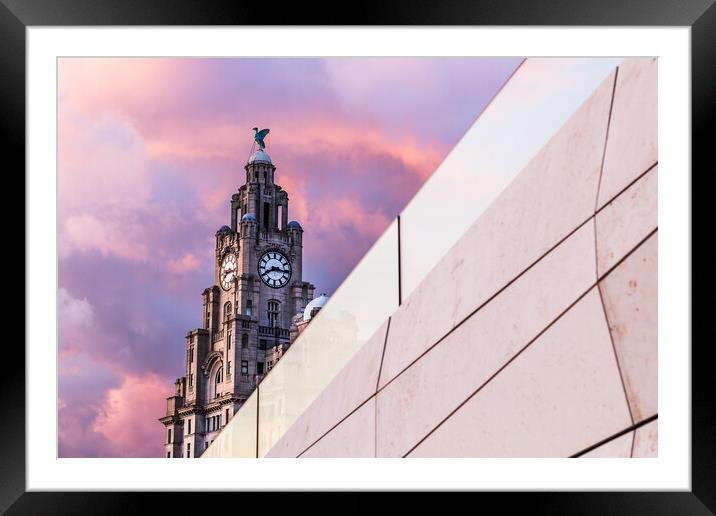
column 241, row 264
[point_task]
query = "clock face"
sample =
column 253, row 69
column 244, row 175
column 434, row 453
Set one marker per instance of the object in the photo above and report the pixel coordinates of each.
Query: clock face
column 274, row 269
column 228, row 271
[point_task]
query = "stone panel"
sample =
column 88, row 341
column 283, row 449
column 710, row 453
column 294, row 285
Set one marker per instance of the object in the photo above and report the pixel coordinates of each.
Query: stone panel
column 646, row 441
column 630, row 300
column 353, row 438
column 562, row 394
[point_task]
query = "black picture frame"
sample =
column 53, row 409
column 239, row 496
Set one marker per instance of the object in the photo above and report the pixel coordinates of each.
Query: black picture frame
column 17, row 15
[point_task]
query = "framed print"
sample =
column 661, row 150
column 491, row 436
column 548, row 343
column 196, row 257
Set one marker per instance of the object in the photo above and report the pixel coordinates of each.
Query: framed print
column 422, row 257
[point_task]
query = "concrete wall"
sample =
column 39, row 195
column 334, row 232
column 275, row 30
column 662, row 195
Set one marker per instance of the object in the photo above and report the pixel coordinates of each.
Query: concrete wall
column 536, row 335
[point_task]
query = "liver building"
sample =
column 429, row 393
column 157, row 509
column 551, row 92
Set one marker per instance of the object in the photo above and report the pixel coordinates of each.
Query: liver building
column 249, row 315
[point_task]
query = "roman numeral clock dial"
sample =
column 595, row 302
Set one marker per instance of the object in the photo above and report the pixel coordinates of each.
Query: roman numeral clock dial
column 228, row 271
column 274, row 269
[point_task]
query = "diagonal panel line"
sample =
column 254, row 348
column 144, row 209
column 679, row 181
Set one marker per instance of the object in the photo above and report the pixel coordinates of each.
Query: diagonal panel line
column 336, row 425
column 616, row 435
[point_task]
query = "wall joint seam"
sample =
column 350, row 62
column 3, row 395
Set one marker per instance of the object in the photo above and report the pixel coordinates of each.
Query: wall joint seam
column 382, row 357
column 616, row 356
column 400, row 269
column 633, row 440
column 606, row 138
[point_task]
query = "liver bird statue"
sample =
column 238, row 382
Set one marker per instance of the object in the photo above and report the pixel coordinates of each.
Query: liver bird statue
column 259, row 136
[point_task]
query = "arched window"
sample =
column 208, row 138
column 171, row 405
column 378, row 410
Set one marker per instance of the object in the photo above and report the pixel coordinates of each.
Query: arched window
column 273, row 312
column 227, row 310
column 244, row 340
column 249, row 307
column 217, row 381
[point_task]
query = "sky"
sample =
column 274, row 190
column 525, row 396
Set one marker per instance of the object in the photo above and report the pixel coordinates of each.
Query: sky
column 150, row 151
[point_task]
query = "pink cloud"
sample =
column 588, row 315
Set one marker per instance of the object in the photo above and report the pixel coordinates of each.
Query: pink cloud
column 75, row 313
column 186, row 263
column 85, row 232
column 102, row 161
column 103, row 182
column 102, row 414
column 129, row 419
column 339, row 213
column 90, row 85
column 76, row 319
column 75, row 438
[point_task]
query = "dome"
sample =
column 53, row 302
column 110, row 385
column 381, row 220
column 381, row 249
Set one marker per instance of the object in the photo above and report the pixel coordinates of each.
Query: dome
column 314, row 306
column 260, row 156
column 223, row 230
column 249, row 217
column 294, row 225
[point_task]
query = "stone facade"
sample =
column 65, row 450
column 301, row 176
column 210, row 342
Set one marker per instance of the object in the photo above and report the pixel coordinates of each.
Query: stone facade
column 248, row 314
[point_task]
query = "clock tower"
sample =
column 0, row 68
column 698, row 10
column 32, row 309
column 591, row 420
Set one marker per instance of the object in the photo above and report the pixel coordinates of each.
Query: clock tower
column 246, row 314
